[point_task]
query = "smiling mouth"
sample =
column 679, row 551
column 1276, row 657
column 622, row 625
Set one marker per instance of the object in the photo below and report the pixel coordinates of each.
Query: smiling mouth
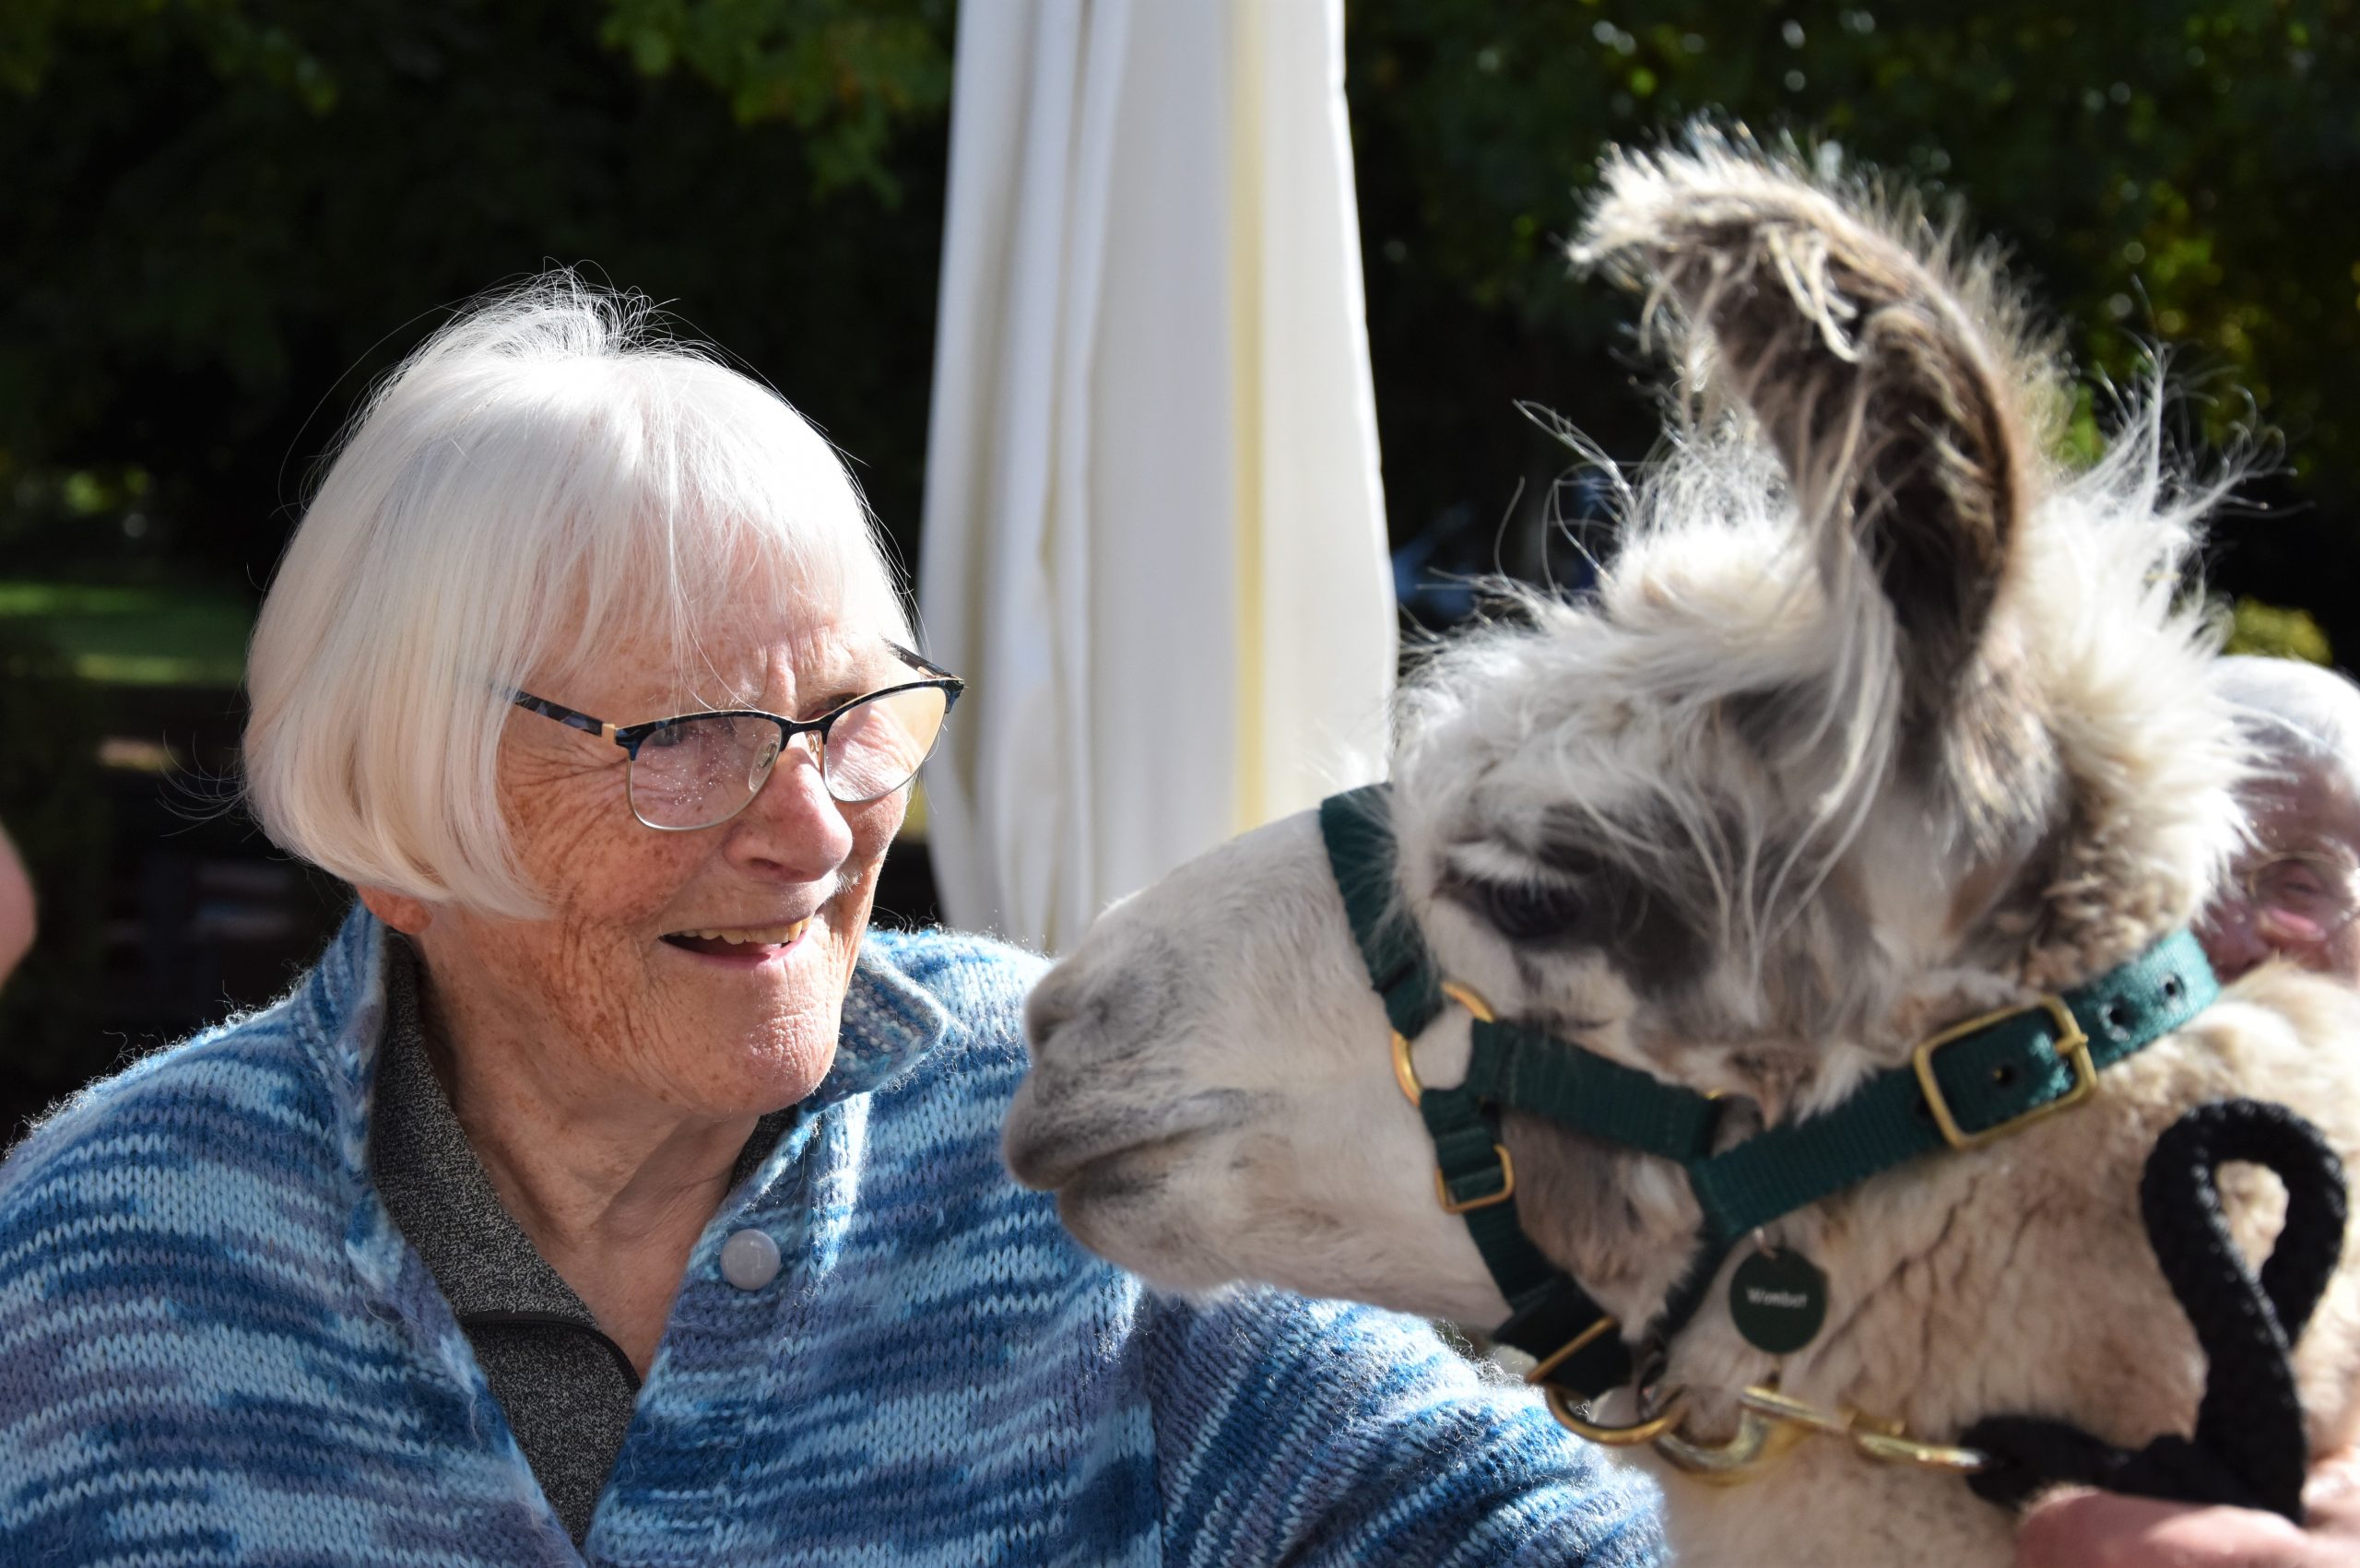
column 739, row 941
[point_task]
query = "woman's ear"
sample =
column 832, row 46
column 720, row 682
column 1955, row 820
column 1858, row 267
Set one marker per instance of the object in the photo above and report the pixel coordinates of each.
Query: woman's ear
column 406, row 914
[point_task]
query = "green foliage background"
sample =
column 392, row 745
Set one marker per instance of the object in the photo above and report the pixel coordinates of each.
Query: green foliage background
column 223, row 216
column 220, row 219
column 2162, row 171
column 50, row 800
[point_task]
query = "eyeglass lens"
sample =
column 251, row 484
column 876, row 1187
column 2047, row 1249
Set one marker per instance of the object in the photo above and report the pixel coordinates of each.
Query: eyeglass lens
column 2307, row 896
column 701, row 769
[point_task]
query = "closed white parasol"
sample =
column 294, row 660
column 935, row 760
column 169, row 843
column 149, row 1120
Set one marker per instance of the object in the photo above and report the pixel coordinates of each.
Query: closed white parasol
column 1154, row 535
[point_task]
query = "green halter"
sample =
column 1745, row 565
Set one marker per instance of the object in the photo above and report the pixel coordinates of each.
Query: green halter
column 1964, row 1087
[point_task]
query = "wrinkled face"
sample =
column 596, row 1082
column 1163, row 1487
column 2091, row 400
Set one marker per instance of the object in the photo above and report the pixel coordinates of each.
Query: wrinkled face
column 617, row 981
column 2292, row 893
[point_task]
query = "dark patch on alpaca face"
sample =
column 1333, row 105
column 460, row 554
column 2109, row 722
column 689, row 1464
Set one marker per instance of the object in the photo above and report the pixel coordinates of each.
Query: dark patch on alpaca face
column 1655, row 940
column 1579, row 898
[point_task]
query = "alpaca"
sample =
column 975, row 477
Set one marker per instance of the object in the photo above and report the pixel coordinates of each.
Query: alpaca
column 1879, row 720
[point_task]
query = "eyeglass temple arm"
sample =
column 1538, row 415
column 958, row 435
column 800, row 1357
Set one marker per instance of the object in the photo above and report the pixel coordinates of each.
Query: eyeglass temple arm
column 570, row 718
column 922, row 661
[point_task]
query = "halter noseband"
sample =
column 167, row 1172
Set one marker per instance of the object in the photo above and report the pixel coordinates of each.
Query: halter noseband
column 1963, row 1089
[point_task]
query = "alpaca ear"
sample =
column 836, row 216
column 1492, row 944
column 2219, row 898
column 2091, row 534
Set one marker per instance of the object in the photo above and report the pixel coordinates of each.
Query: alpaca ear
column 1898, row 431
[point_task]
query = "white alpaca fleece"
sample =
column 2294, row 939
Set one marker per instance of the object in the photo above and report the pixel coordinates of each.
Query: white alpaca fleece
column 1878, row 721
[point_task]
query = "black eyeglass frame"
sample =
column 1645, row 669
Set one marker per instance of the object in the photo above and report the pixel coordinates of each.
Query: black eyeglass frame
column 630, row 737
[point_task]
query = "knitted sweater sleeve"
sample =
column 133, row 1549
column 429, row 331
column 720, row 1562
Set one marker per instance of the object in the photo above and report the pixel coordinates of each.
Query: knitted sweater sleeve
column 1318, row 1432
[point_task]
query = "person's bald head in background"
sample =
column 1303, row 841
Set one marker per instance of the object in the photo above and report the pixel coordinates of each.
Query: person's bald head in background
column 2294, row 891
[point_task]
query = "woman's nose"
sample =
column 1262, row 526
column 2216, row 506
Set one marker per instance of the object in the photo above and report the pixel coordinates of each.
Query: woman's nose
column 793, row 824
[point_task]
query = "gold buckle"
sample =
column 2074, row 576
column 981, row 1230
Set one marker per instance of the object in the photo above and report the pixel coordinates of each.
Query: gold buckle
column 1557, row 1358
column 1508, row 1187
column 2071, row 1046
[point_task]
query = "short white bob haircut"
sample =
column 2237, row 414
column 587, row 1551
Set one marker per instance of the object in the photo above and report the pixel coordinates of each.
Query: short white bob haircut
column 552, row 471
column 2297, row 714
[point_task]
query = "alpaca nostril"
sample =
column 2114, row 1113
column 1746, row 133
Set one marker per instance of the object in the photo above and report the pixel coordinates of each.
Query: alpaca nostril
column 1050, row 1007
column 1030, row 1157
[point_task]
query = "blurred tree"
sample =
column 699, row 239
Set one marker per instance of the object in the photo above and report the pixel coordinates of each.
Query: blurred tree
column 2174, row 171
column 845, row 73
column 218, row 209
column 225, row 216
column 51, row 802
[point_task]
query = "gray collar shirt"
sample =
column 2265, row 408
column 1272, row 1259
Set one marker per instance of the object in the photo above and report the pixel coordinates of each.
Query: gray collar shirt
column 566, row 1389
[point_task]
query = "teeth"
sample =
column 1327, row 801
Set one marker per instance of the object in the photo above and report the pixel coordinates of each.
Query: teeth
column 752, row 935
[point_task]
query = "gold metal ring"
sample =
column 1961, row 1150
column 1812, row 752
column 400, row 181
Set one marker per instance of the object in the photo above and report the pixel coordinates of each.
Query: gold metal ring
column 1557, row 1358
column 1655, row 1426
column 1404, row 1073
column 1760, row 1440
column 1467, row 996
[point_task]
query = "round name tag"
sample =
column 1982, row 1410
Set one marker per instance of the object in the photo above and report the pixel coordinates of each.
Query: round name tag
column 1778, row 1300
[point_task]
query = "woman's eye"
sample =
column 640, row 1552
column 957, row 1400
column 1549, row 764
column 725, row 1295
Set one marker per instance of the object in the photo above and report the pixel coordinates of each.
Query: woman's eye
column 2294, row 885
column 2302, row 880
column 1524, row 911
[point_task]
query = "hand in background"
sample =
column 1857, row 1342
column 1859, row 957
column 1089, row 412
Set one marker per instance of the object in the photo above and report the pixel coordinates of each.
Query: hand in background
column 2104, row 1529
column 16, row 908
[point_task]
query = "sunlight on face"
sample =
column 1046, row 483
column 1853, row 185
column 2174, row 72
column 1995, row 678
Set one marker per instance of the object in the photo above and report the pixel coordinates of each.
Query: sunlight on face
column 705, row 970
column 2293, row 894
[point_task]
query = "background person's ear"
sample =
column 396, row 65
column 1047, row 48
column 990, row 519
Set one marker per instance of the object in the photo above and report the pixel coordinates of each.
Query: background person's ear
column 18, row 920
column 1897, row 418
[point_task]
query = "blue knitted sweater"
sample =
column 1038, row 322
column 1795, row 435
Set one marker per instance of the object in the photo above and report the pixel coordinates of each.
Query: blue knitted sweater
column 215, row 1347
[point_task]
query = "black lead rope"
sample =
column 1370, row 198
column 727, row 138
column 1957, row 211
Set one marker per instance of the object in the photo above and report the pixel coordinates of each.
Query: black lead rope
column 2249, row 1449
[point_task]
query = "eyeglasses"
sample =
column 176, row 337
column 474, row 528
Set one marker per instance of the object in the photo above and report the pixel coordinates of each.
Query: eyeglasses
column 699, row 770
column 2302, row 897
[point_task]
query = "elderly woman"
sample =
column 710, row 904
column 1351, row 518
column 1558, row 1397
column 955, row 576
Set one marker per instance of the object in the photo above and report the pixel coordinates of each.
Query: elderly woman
column 2295, row 893
column 610, row 1191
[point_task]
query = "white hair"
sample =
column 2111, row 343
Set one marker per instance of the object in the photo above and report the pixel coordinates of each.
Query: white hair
column 552, row 472
column 2297, row 713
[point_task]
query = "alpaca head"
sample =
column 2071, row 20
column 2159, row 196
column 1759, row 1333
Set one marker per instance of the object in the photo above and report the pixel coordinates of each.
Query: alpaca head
column 1876, row 720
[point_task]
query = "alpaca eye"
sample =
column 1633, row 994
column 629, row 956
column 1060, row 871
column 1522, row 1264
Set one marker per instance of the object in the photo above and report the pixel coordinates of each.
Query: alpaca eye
column 1524, row 911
